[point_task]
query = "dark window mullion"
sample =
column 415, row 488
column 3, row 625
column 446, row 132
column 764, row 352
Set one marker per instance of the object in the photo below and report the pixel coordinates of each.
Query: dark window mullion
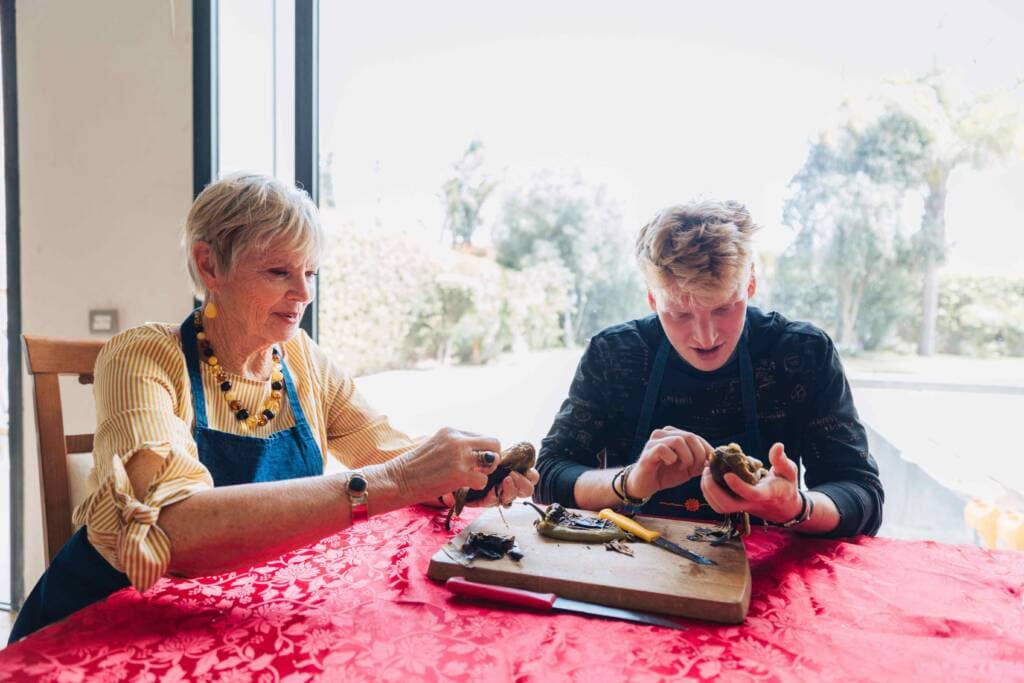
column 307, row 152
column 13, row 234
column 204, row 94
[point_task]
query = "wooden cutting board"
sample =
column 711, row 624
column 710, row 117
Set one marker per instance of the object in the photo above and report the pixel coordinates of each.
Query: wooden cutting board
column 653, row 580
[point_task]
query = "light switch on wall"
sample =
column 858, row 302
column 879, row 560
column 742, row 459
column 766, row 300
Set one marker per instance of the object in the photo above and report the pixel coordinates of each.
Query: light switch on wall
column 103, row 321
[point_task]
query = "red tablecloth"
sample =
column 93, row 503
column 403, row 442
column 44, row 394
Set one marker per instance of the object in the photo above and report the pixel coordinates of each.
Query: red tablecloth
column 358, row 606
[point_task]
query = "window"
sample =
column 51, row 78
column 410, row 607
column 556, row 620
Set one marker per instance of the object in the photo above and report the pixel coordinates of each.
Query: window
column 256, row 78
column 484, row 169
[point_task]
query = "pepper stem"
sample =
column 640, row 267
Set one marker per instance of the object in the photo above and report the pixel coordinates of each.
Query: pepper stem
column 539, row 511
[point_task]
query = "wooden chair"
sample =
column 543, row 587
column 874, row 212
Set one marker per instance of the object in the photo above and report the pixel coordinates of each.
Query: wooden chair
column 48, row 359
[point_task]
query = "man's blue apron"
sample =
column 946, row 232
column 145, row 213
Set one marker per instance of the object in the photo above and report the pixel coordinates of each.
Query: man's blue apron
column 686, row 499
column 79, row 576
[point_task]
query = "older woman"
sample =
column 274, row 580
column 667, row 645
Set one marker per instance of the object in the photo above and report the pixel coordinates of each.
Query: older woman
column 212, row 434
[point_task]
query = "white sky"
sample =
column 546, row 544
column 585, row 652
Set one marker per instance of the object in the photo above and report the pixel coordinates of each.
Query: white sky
column 658, row 101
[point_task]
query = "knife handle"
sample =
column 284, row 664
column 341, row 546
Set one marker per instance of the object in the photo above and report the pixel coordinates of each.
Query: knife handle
column 509, row 596
column 630, row 525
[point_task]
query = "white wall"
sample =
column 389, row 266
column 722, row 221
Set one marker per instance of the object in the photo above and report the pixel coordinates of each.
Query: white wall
column 105, row 135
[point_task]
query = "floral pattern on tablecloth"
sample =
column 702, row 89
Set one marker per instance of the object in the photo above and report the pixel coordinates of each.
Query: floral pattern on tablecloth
column 358, row 606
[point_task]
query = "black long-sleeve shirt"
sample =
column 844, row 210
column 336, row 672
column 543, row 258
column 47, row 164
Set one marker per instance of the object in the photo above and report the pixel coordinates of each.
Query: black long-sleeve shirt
column 802, row 396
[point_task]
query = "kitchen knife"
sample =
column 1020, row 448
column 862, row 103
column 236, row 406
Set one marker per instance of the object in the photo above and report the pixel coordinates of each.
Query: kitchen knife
column 545, row 602
column 654, row 537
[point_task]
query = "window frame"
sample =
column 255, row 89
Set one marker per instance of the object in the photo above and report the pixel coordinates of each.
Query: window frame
column 12, row 183
column 307, row 122
column 205, row 114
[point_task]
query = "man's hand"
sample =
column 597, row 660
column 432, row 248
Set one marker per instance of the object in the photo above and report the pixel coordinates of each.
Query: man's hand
column 774, row 498
column 670, row 457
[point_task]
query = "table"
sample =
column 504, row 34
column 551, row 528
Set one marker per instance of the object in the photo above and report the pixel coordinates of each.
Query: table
column 358, row 606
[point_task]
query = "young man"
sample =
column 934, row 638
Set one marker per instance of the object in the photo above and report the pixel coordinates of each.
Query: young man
column 652, row 397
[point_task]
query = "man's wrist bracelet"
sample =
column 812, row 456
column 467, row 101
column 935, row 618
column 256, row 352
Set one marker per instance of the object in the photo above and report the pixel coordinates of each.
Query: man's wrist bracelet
column 806, row 510
column 615, row 489
column 630, row 504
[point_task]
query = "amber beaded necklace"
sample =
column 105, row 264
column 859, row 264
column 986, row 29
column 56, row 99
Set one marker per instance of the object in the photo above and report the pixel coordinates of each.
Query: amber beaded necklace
column 271, row 407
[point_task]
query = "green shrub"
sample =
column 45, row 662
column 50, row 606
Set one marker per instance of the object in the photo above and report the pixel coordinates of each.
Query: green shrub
column 387, row 301
column 373, row 288
column 981, row 316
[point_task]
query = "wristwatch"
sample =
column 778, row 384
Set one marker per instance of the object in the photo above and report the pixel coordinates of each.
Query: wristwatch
column 806, row 510
column 357, row 497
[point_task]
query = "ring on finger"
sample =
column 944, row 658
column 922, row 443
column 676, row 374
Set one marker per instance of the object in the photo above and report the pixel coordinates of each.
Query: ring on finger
column 485, row 458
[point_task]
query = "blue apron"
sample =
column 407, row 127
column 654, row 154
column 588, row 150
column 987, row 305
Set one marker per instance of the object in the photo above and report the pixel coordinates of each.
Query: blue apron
column 80, row 576
column 673, row 502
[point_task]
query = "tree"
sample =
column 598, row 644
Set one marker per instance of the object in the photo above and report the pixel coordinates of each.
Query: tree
column 960, row 128
column 567, row 223
column 450, row 300
column 846, row 201
column 464, row 195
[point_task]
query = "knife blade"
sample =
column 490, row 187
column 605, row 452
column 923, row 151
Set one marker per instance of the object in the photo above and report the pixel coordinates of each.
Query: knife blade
column 546, row 602
column 653, row 537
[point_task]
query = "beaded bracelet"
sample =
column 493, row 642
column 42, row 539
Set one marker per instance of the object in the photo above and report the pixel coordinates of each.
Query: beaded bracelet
column 625, row 491
column 630, row 505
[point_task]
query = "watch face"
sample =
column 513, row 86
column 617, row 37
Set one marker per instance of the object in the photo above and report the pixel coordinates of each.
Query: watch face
column 356, row 483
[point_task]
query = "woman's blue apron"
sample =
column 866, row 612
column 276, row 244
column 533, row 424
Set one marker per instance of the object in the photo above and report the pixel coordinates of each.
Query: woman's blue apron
column 80, row 576
column 686, row 499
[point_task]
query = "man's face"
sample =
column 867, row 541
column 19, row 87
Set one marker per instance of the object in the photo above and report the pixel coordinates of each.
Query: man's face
column 703, row 329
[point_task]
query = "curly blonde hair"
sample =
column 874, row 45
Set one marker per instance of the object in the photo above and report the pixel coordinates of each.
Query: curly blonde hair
column 701, row 247
column 244, row 211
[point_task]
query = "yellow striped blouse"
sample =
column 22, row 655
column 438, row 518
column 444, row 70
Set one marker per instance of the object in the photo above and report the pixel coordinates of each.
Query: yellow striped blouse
column 144, row 401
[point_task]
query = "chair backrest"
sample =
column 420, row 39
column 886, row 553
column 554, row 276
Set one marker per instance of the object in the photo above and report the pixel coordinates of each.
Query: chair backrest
column 48, row 359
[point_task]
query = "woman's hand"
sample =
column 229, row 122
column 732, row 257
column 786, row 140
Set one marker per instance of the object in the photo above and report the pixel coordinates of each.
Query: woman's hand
column 774, row 498
column 669, row 458
column 445, row 462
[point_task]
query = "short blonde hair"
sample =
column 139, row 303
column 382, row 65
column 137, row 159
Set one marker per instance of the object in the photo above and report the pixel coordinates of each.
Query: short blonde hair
column 700, row 247
column 245, row 211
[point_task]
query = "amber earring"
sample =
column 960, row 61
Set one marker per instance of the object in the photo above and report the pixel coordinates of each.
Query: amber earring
column 210, row 310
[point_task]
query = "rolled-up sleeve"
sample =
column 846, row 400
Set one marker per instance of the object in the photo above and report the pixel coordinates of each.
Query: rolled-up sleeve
column 578, row 433
column 835, row 452
column 141, row 404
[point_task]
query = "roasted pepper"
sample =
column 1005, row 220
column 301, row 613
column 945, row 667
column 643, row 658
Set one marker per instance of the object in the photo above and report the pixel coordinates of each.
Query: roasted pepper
column 561, row 524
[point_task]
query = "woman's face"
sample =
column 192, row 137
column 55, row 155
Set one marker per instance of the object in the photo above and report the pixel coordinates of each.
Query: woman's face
column 704, row 330
column 265, row 294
